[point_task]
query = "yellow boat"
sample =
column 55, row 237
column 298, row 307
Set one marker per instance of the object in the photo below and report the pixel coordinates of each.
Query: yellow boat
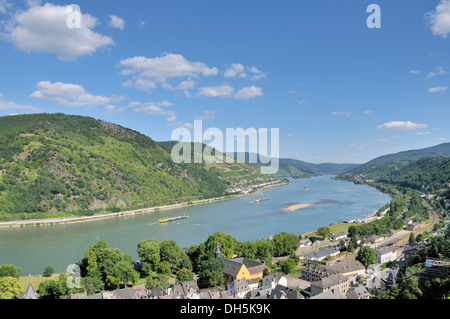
column 170, row 219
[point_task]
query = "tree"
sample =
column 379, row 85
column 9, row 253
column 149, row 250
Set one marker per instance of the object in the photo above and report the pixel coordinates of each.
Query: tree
column 149, row 254
column 48, row 271
column 10, row 287
column 54, row 289
column 323, row 232
column 367, row 256
column 184, row 275
column 155, row 280
column 211, row 273
column 227, row 244
column 264, row 249
column 8, row 270
column 285, row 244
column 246, row 249
column 174, row 255
column 412, row 238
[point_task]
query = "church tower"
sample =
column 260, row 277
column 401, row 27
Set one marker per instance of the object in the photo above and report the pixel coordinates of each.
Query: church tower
column 217, row 253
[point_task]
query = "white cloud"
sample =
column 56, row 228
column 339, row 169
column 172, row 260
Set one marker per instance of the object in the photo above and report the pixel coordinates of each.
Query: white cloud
column 4, row 5
column 357, row 146
column 440, row 71
column 301, row 102
column 214, row 91
column 45, row 29
column 116, row 22
column 167, row 66
column 414, row 72
column 382, row 140
column 248, row 92
column 346, row 114
column 423, row 133
column 234, row 70
column 70, row 94
column 440, row 19
column 237, row 70
column 207, row 115
column 400, row 125
column 437, row 89
column 368, row 112
column 10, row 105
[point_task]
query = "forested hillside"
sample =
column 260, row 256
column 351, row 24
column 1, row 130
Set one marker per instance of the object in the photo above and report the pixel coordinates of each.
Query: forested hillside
column 55, row 164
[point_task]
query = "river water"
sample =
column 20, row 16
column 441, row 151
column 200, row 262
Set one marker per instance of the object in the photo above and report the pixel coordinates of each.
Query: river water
column 34, row 248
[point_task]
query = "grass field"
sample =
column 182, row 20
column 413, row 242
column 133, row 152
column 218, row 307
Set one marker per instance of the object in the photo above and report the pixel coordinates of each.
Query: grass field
column 35, row 281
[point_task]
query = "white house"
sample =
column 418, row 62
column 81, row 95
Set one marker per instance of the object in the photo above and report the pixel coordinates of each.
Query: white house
column 338, row 236
column 386, row 254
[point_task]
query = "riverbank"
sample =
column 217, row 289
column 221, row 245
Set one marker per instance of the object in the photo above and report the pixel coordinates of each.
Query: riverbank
column 103, row 216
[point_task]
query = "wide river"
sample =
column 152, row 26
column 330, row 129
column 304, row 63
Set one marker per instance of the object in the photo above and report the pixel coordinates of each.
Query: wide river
column 34, row 248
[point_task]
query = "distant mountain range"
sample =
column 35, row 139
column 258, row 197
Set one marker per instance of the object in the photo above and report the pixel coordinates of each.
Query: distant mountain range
column 412, row 155
column 296, row 168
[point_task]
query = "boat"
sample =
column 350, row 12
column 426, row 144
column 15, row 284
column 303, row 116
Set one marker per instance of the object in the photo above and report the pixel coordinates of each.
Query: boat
column 260, row 200
column 171, row 219
column 307, row 186
column 307, row 190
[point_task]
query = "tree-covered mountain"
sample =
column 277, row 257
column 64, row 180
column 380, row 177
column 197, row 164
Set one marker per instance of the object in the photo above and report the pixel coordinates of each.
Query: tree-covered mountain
column 431, row 172
column 56, row 163
column 413, row 155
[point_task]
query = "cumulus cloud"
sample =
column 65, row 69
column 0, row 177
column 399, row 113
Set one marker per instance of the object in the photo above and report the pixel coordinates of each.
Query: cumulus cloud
column 161, row 69
column 239, row 70
column 215, row 91
column 437, row 89
column 116, row 22
column 248, row 92
column 440, row 19
column 400, row 125
column 70, row 94
column 11, row 105
column 46, row 29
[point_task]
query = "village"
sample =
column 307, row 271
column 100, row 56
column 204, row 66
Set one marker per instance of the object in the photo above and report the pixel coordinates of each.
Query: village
column 328, row 271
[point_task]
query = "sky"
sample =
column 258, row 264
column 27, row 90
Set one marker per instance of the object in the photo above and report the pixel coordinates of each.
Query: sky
column 337, row 89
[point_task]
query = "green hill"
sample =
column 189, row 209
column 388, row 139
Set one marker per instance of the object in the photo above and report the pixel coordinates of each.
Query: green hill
column 413, row 155
column 431, row 172
column 56, row 164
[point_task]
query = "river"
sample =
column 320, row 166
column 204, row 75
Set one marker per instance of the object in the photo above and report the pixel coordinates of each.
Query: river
column 34, row 248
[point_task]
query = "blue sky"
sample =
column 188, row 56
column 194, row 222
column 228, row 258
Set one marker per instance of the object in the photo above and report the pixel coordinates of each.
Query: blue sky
column 337, row 90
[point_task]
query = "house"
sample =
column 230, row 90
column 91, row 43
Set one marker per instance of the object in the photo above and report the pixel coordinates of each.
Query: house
column 29, row 294
column 241, row 268
column 414, row 226
column 358, row 293
column 329, row 294
column 386, row 253
column 322, row 253
column 283, row 292
column 273, row 280
column 239, row 287
column 373, row 239
column 260, row 293
column 349, row 268
column 338, row 236
column 336, row 281
column 305, row 242
column 410, row 251
column 315, row 272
